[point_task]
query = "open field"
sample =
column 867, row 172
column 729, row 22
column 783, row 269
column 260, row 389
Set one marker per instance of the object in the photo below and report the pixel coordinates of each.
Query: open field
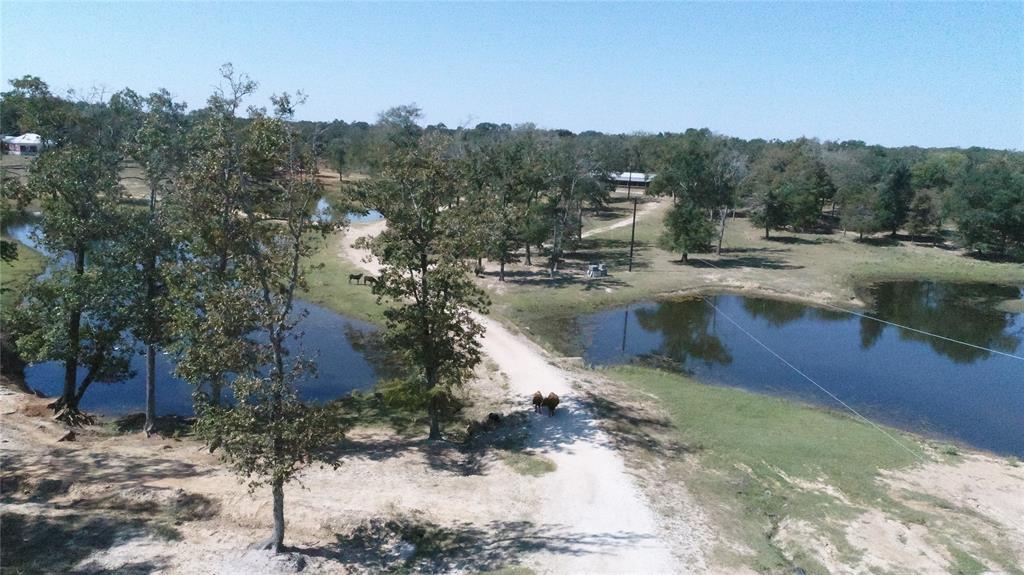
column 808, row 267
column 329, row 285
column 789, row 485
column 17, row 275
column 132, row 177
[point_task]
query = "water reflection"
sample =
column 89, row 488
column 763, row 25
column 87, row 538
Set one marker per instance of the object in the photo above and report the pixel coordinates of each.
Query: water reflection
column 964, row 312
column 688, row 331
column 897, row 376
column 337, row 345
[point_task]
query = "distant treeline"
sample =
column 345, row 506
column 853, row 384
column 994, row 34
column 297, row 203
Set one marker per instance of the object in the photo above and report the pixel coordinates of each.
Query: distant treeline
column 802, row 185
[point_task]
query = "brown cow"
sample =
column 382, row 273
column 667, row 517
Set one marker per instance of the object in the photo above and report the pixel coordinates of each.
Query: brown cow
column 551, row 402
column 538, row 400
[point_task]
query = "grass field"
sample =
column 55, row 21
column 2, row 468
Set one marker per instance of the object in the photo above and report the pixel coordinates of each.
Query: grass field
column 17, row 275
column 808, row 267
column 329, row 285
column 756, row 462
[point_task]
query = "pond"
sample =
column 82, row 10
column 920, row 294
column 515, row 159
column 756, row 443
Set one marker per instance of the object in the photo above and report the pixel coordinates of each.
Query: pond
column 323, row 210
column 890, row 374
column 332, row 340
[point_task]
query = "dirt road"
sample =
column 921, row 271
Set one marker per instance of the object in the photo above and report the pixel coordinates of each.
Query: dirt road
column 647, row 209
column 591, row 494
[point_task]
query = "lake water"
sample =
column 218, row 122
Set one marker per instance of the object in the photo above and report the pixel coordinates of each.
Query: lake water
column 323, row 209
column 330, row 339
column 893, row 375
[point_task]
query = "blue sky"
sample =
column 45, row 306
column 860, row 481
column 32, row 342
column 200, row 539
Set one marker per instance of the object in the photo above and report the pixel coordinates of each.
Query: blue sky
column 909, row 73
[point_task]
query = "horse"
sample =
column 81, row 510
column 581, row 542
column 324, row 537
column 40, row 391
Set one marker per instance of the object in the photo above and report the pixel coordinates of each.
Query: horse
column 356, row 277
column 369, row 280
column 551, row 402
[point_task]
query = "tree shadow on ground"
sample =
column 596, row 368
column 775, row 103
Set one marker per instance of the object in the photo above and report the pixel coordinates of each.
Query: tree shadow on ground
column 412, row 543
column 609, row 213
column 57, row 544
column 113, row 502
column 800, row 241
column 631, row 428
column 880, row 242
column 752, row 250
column 565, row 277
column 763, row 262
column 166, row 425
column 41, row 477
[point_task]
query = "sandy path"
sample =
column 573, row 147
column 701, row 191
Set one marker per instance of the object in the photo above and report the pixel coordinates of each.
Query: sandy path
column 590, row 495
column 641, row 212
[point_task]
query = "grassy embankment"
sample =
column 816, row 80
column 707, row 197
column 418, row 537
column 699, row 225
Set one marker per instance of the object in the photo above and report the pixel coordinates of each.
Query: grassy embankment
column 329, row 285
column 755, row 463
column 17, row 275
column 806, row 267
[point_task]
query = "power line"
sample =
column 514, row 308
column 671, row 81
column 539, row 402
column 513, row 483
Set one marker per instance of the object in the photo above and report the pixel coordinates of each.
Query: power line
column 901, row 326
column 808, row 378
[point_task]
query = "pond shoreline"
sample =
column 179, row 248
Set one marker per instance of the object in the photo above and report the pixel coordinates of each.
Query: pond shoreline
column 956, row 386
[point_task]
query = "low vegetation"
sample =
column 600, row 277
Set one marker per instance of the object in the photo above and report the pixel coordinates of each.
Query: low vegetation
column 16, row 275
column 760, row 463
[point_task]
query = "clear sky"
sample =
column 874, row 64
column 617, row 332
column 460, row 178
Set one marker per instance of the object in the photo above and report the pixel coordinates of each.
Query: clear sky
column 927, row 74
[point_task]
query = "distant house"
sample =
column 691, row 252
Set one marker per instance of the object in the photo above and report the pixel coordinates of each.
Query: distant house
column 23, row 145
column 630, row 179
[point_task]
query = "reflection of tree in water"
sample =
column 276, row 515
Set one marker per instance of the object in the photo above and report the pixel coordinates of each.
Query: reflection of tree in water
column 370, row 344
column 778, row 313
column 687, row 330
column 966, row 312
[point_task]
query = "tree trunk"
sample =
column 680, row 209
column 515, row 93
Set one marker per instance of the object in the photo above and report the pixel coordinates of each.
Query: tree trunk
column 501, row 270
column 766, row 227
column 685, row 258
column 150, row 425
column 529, row 261
column 215, row 392
column 275, row 542
column 74, row 327
column 721, row 231
column 435, row 421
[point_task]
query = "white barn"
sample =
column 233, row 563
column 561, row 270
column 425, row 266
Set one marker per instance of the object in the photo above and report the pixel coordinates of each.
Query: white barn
column 23, row 145
column 631, row 179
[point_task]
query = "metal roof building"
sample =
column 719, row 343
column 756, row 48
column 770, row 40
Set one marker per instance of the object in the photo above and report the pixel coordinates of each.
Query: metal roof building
column 631, row 178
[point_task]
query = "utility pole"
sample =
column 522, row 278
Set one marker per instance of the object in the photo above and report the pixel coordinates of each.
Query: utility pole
column 632, row 236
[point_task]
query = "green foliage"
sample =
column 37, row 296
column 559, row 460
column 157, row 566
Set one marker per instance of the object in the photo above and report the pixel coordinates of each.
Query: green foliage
column 687, row 229
column 787, row 186
column 430, row 324
column 988, row 207
column 858, row 211
column 893, row 199
column 268, row 434
column 923, row 214
column 77, row 314
column 235, row 293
